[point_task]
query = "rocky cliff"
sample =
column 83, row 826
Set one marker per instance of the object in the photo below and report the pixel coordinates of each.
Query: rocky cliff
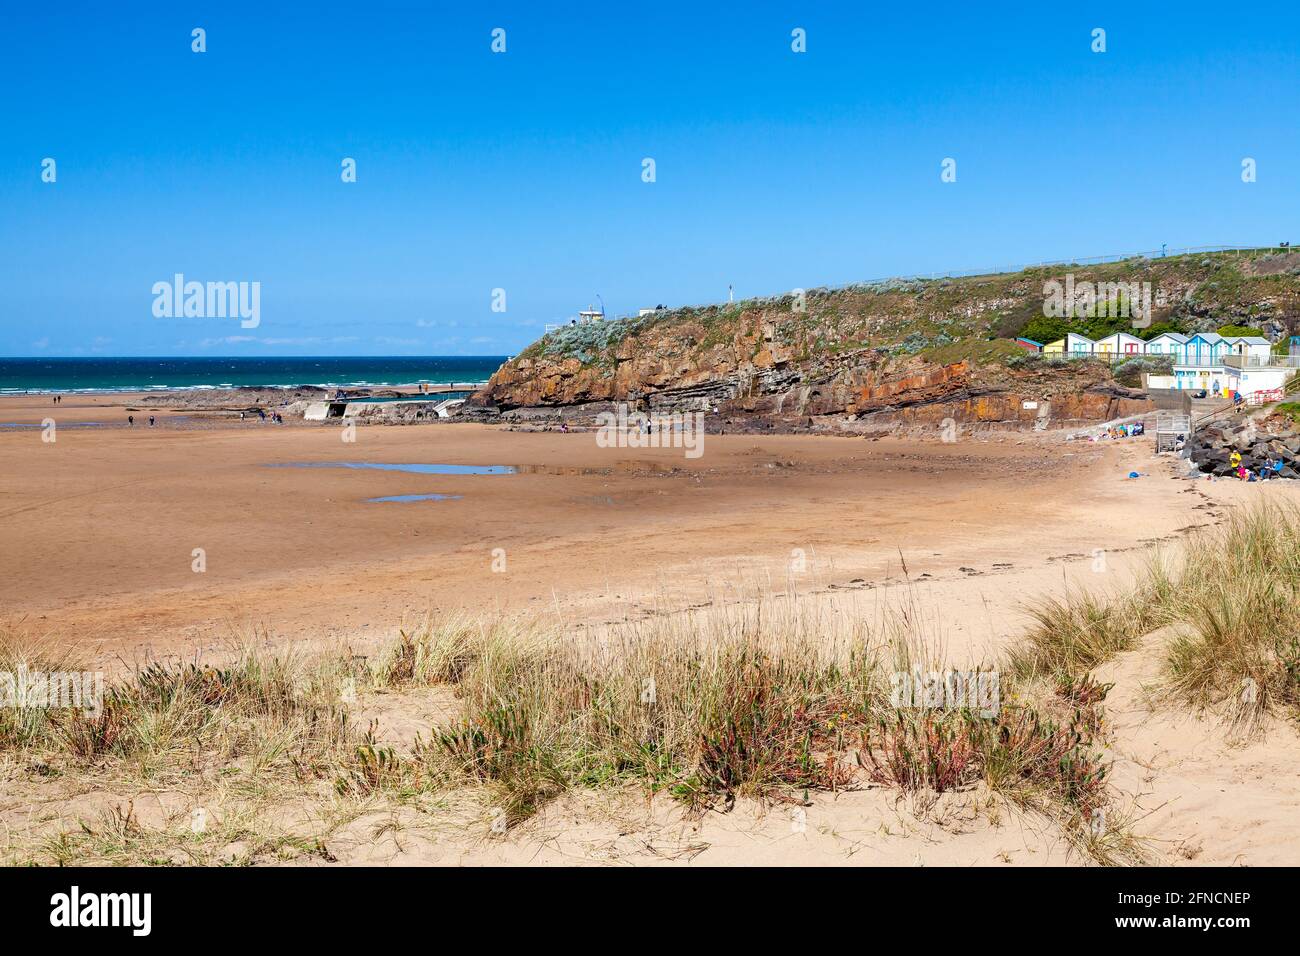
column 914, row 352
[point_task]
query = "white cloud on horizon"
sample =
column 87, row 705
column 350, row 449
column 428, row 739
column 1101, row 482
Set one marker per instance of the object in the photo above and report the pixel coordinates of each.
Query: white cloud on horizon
column 256, row 340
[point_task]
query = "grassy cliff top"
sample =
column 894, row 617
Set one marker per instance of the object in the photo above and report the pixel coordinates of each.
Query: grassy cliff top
column 973, row 317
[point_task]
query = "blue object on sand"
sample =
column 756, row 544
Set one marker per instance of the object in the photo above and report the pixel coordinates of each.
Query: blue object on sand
column 1134, row 474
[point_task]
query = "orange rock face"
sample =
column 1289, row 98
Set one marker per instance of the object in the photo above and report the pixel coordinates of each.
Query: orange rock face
column 752, row 366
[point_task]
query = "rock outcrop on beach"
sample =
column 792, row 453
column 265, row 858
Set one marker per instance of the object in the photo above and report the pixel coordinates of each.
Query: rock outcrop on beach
column 250, row 397
column 892, row 354
column 1259, row 443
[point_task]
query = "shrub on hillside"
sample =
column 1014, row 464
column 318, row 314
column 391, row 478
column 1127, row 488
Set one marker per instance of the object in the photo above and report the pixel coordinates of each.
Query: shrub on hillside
column 1129, row 372
column 1240, row 330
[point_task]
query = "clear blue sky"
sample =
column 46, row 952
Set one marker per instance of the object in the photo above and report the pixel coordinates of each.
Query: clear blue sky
column 522, row 171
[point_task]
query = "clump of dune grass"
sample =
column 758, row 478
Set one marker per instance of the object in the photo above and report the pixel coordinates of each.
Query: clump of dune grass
column 927, row 750
column 256, row 730
column 1074, row 633
column 257, row 717
column 436, row 650
column 373, row 769
column 1230, row 600
column 21, row 727
column 258, row 710
column 1236, row 607
column 763, row 700
column 721, row 706
column 1037, row 762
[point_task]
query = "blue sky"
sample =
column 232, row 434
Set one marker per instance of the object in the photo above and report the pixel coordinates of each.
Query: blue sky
column 522, row 170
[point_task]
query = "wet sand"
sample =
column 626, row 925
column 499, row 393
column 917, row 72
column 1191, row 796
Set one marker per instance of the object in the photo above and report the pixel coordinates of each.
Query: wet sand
column 100, row 527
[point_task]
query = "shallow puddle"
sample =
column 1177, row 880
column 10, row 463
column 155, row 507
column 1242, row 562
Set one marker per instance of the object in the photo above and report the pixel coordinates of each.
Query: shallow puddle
column 412, row 467
column 58, row 424
column 417, row 498
column 439, row 468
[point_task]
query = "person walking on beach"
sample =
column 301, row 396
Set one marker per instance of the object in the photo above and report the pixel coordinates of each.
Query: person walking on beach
column 130, row 420
column 151, row 421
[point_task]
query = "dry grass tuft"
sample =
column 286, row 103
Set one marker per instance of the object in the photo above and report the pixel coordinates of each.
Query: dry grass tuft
column 1237, row 595
column 1074, row 633
column 762, row 700
column 1234, row 595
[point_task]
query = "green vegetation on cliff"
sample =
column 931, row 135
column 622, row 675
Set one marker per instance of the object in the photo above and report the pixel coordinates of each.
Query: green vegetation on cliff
column 951, row 319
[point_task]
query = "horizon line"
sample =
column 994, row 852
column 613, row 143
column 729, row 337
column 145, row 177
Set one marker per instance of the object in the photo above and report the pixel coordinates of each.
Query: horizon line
column 484, row 355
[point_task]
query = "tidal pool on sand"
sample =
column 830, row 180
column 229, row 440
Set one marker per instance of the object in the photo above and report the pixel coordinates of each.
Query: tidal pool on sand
column 414, row 467
column 417, row 498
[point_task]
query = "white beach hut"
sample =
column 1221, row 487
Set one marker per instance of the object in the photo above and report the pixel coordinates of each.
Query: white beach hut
column 1077, row 346
column 1119, row 344
column 1167, row 343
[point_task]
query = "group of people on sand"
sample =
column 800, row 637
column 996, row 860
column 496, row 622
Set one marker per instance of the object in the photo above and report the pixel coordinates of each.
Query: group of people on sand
column 1131, row 430
column 130, row 421
column 58, row 399
column 1271, row 468
column 276, row 417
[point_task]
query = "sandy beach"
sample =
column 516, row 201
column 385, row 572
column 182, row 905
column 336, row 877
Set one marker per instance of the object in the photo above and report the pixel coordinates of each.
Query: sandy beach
column 101, row 526
column 100, row 529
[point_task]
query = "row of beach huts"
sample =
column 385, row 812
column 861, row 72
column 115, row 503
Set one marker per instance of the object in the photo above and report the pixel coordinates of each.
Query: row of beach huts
column 1217, row 364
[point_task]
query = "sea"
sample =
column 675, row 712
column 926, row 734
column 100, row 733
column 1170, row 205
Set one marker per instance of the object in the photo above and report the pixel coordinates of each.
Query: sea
column 18, row 375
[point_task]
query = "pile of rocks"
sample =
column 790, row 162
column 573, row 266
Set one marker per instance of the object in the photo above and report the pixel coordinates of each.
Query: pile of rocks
column 1258, row 443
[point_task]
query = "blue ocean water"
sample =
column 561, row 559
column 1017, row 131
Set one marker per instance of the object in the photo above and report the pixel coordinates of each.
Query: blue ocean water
column 137, row 374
